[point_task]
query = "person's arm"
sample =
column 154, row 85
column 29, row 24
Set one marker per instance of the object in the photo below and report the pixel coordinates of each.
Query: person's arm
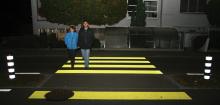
column 93, row 36
column 79, row 38
column 66, row 39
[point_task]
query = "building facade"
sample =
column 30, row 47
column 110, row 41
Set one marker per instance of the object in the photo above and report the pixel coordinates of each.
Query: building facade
column 182, row 14
column 187, row 16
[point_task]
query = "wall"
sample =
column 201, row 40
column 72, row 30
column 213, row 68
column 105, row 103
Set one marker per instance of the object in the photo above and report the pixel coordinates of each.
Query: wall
column 172, row 17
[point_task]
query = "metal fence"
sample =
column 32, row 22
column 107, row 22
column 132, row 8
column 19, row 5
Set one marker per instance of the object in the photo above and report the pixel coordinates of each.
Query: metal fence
column 110, row 37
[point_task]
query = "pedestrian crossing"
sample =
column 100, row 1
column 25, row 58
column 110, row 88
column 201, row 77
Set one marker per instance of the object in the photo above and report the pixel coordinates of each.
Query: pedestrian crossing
column 111, row 65
column 110, row 61
column 109, row 72
column 116, row 95
column 113, row 58
column 115, row 65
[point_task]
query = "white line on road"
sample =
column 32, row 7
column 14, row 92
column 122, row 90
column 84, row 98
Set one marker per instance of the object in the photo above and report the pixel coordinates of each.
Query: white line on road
column 194, row 74
column 28, row 73
column 5, row 90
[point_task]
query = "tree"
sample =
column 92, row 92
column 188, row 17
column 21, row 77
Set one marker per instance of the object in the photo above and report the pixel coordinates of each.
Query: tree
column 213, row 16
column 138, row 17
column 133, row 18
column 140, row 14
column 213, row 12
column 99, row 12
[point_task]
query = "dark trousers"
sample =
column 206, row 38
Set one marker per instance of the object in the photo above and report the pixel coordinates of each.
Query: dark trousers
column 71, row 56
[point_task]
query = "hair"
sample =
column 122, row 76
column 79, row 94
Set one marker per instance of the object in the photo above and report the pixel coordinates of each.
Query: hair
column 73, row 27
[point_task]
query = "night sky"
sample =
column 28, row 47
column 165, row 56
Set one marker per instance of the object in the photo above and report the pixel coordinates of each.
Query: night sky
column 16, row 17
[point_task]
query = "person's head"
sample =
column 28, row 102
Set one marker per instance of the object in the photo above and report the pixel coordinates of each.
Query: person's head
column 85, row 24
column 71, row 28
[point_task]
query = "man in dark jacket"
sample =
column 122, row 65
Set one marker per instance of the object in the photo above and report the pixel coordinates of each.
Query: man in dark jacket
column 85, row 41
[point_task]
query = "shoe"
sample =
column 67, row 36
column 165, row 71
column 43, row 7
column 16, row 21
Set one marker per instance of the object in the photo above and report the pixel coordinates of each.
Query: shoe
column 72, row 66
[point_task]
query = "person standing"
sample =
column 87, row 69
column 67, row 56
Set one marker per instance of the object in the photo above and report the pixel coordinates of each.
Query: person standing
column 86, row 38
column 71, row 40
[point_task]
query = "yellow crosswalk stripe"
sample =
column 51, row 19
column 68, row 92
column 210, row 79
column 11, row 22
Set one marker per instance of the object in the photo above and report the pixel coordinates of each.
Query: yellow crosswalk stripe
column 109, row 66
column 109, row 61
column 116, row 95
column 109, row 72
column 112, row 58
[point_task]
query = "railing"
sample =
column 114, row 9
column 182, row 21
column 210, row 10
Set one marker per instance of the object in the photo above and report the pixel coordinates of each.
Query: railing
column 154, row 38
column 108, row 38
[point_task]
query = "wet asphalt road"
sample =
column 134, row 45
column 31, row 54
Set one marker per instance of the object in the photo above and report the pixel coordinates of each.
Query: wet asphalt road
column 171, row 63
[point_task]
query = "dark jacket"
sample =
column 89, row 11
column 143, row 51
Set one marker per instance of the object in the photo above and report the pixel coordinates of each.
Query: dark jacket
column 86, row 38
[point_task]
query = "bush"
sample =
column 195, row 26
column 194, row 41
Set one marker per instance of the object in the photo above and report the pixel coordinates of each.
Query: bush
column 97, row 12
column 138, row 17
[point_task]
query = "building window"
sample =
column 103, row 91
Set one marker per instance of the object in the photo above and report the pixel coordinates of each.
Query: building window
column 151, row 7
column 132, row 4
column 193, row 6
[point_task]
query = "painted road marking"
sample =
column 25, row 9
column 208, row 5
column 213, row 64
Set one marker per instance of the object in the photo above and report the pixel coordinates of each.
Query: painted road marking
column 5, row 90
column 112, row 58
column 108, row 95
column 27, row 73
column 109, row 72
column 109, row 61
column 109, row 66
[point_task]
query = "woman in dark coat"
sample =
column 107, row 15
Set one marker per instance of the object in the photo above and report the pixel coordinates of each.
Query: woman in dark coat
column 85, row 41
